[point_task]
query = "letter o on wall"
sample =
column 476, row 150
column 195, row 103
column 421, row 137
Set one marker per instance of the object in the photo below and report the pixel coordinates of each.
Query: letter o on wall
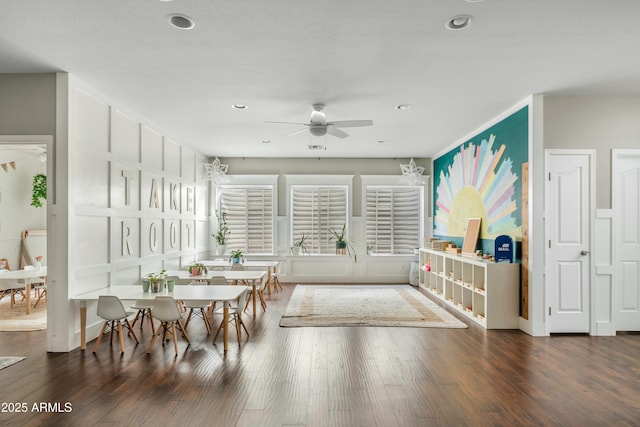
column 173, row 235
column 153, row 237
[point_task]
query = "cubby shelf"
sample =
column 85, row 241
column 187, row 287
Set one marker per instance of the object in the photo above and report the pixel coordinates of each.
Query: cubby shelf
column 486, row 292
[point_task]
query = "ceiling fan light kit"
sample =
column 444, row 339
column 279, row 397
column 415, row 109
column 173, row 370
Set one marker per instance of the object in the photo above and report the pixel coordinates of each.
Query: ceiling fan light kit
column 319, row 126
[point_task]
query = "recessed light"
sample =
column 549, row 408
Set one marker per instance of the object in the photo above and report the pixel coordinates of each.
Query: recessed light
column 180, row 21
column 459, row 22
column 266, row 141
column 402, row 107
column 381, row 141
column 240, row 106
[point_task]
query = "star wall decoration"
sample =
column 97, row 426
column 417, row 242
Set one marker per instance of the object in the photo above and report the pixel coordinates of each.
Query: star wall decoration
column 413, row 173
column 216, row 172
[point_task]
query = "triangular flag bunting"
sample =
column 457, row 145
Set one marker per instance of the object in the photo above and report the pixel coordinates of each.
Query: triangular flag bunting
column 4, row 166
column 13, row 165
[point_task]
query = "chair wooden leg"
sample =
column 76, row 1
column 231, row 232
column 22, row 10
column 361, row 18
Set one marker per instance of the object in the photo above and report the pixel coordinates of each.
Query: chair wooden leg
column 120, row 336
column 95, row 347
column 184, row 331
column 206, row 320
column 237, row 329
column 113, row 324
column 131, row 331
column 186, row 324
column 243, row 325
column 155, row 336
column 217, row 332
column 175, row 336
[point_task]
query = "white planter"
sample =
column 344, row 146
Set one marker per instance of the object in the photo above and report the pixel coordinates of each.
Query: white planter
column 221, row 249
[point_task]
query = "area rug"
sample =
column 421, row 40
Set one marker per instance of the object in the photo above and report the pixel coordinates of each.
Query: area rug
column 369, row 305
column 16, row 318
column 5, row 362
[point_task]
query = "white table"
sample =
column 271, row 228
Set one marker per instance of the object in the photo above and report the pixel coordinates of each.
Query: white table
column 28, row 276
column 252, row 276
column 270, row 265
column 226, row 294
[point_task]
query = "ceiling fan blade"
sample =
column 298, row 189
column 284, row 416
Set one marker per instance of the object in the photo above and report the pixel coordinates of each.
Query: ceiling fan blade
column 351, row 123
column 332, row 130
column 287, row 123
column 295, row 132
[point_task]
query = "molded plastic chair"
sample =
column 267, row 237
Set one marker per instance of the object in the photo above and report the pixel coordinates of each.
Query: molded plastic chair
column 260, row 293
column 166, row 311
column 197, row 309
column 11, row 287
column 218, row 280
column 110, row 308
column 235, row 316
column 143, row 310
column 239, row 267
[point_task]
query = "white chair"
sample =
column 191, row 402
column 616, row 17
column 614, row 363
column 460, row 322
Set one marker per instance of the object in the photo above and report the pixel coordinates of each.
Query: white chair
column 197, row 309
column 239, row 267
column 235, row 315
column 110, row 308
column 165, row 309
column 259, row 293
column 11, row 287
column 39, row 286
column 275, row 282
column 218, row 280
column 143, row 308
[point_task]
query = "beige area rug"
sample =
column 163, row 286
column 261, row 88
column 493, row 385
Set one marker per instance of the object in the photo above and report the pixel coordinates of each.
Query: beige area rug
column 369, row 305
column 16, row 318
column 5, row 362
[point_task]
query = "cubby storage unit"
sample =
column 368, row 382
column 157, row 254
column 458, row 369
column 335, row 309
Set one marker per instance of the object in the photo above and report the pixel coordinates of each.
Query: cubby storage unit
column 486, row 292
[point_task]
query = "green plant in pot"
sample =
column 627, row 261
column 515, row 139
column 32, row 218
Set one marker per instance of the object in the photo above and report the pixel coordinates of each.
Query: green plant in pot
column 342, row 242
column 222, row 234
column 156, row 280
column 197, row 269
column 300, row 245
column 237, row 257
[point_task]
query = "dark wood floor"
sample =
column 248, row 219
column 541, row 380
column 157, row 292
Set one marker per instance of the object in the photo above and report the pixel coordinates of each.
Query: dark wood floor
column 361, row 376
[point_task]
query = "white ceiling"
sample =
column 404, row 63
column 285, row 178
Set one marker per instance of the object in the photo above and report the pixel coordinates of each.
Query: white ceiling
column 359, row 57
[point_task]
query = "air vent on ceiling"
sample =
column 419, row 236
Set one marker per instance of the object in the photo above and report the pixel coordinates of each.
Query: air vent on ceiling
column 320, row 147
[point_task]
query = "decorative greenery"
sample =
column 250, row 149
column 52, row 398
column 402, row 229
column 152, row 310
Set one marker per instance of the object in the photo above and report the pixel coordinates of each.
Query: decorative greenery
column 223, row 229
column 301, row 243
column 200, row 269
column 371, row 247
column 236, row 254
column 157, row 277
column 343, row 242
column 39, row 190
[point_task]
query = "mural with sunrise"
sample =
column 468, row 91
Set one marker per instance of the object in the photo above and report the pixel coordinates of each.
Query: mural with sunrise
column 482, row 178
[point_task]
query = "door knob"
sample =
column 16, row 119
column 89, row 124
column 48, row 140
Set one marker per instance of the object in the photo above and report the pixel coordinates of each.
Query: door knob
column 584, row 253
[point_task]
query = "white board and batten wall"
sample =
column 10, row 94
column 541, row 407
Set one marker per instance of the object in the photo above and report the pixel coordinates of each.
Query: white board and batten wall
column 139, row 201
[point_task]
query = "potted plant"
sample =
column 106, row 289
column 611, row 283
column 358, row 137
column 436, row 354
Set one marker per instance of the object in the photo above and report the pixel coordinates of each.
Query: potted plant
column 300, row 245
column 156, row 280
column 342, row 242
column 221, row 235
column 197, row 269
column 237, row 257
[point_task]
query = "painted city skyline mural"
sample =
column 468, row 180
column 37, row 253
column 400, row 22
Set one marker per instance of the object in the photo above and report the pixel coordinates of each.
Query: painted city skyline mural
column 482, row 178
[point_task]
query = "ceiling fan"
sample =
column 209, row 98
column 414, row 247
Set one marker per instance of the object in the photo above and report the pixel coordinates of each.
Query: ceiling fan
column 319, row 126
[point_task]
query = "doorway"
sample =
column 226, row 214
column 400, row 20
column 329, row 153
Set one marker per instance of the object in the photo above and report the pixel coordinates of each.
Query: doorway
column 24, row 219
column 625, row 201
column 569, row 203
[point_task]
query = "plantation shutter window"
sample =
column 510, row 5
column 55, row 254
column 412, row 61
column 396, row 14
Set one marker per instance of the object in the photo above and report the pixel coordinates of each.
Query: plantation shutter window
column 393, row 216
column 249, row 214
column 315, row 211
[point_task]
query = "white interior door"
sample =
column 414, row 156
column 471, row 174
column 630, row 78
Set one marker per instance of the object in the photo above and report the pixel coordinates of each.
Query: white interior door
column 626, row 239
column 568, row 205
